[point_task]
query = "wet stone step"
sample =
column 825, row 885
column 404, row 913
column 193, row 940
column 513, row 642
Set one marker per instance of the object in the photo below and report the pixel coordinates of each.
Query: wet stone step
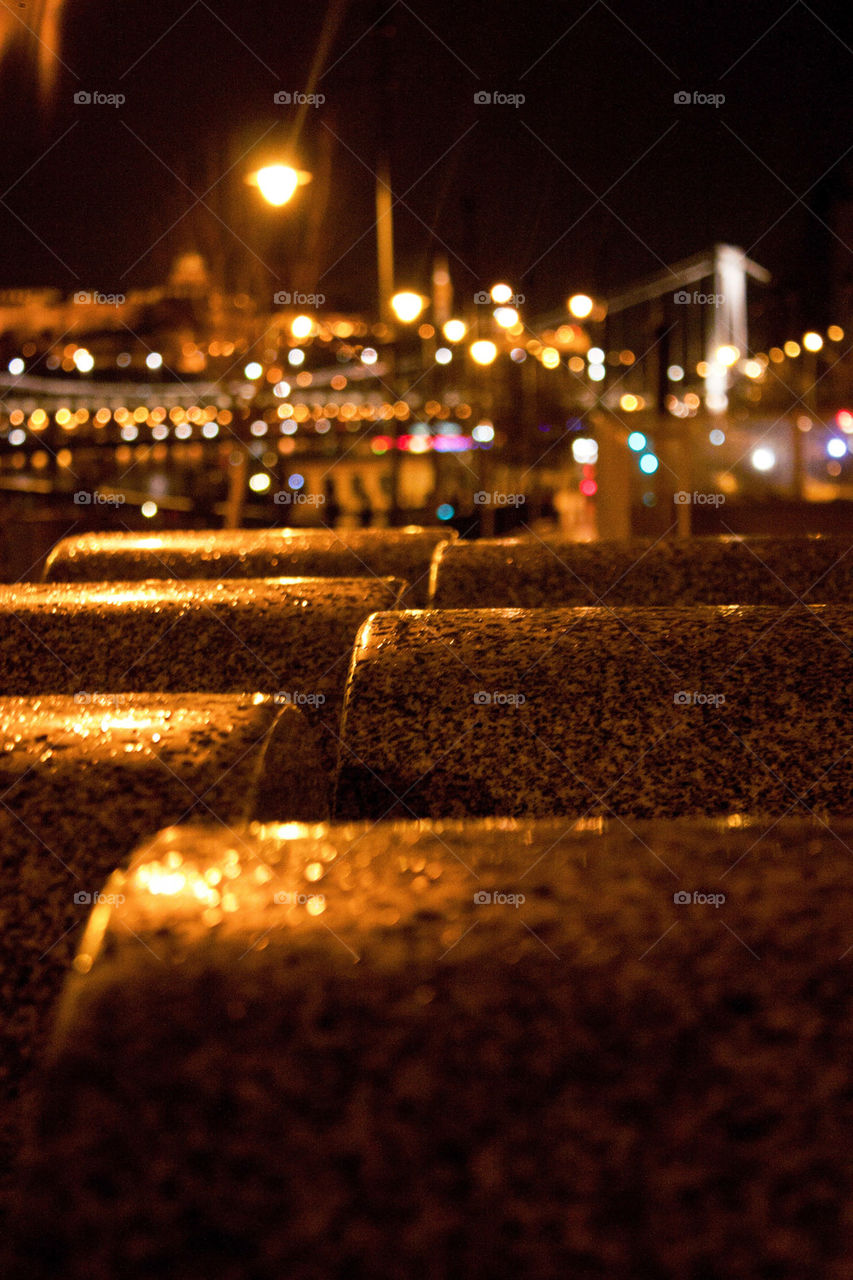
column 253, row 553
column 80, row 786
column 534, row 573
column 479, row 1048
column 288, row 638
column 637, row 712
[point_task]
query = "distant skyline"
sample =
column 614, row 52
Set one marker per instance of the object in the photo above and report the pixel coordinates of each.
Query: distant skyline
column 597, row 178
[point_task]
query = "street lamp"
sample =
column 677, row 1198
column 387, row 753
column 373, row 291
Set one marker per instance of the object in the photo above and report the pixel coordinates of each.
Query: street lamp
column 407, row 306
column 278, row 182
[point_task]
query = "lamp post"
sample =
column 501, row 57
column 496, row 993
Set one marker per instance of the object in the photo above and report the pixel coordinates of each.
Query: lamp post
column 406, row 306
column 277, row 184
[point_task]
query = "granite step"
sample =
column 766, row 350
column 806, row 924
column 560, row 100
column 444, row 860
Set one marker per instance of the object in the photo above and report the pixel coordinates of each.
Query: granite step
column 252, row 553
column 486, row 1049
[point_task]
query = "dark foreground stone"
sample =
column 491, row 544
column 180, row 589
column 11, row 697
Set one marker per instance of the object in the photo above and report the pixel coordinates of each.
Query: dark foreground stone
column 80, row 786
column 401, row 1079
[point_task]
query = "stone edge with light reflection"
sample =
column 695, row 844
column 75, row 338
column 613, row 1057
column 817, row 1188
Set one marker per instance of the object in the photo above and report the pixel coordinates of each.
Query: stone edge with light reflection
column 641, row 712
column 252, row 553
column 536, row 572
column 595, row 1080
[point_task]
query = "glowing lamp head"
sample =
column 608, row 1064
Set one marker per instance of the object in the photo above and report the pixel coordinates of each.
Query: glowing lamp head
column 407, row 306
column 812, row 341
column 277, row 183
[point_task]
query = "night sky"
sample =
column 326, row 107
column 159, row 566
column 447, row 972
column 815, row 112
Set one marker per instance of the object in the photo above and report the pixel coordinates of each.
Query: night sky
column 597, row 179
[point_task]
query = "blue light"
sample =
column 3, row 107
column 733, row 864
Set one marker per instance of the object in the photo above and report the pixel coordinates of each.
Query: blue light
column 836, row 448
column 296, row 481
column 445, row 511
column 649, row 464
column 636, row 441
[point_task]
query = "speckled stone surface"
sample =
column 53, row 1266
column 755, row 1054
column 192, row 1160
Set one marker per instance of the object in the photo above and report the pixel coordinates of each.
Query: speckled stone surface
column 253, row 553
column 289, row 638
column 638, row 712
column 531, row 573
column 596, row 1082
column 79, row 787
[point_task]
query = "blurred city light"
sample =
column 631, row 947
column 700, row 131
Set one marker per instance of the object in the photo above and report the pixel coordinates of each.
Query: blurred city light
column 454, row 330
column 763, row 459
column 301, row 327
column 580, row 305
column 585, row 450
column 483, row 351
column 506, row 317
column 501, row 293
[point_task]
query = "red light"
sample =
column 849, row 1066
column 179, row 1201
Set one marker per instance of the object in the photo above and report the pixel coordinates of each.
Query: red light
column 588, row 488
column 844, row 418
